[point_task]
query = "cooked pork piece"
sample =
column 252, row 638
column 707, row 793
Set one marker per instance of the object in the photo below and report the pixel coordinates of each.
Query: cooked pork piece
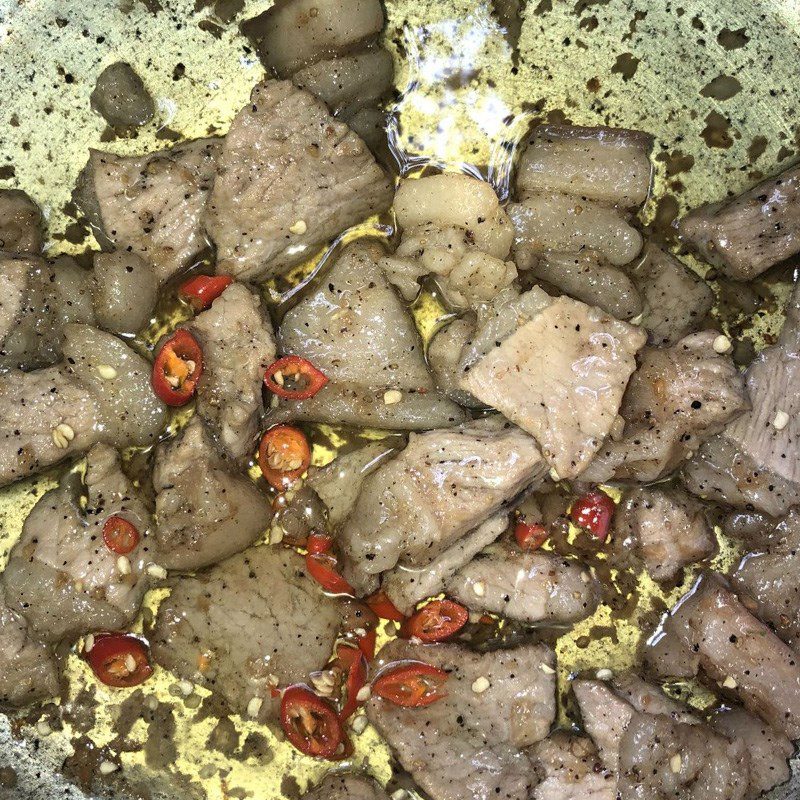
column 569, row 224
column 583, row 277
column 254, row 621
column 151, row 205
column 100, row 393
column 294, row 33
column 677, row 398
column 769, row 750
column 718, row 634
column 754, row 462
column 561, row 377
column 448, row 481
column 532, row 587
column 747, row 235
column 444, row 358
column 61, row 576
column 757, row 530
column 346, row 786
column 291, row 178
column 125, row 291
column 609, row 165
column 665, row 528
column 238, row 346
column 470, row 743
column 675, row 300
column 354, row 327
column 38, row 299
column 569, row 768
column 27, row 667
column 20, row 223
column 205, row 509
column 120, row 97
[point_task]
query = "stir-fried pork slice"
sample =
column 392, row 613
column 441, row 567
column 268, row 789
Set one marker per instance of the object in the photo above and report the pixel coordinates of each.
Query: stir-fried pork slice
column 755, row 461
column 101, row 393
column 346, row 786
column 254, row 621
column 665, row 528
column 355, row 328
column 661, row 759
column 561, row 377
column 206, row 510
column 675, row 300
column 747, row 235
column 238, row 346
column 294, row 33
column 569, row 768
column 527, row 586
column 444, row 358
column 769, row 750
column 738, row 651
column 151, row 205
column 61, row 575
column 470, row 743
column 290, row 179
column 28, row 669
column 37, row 300
column 677, row 398
column 125, row 291
column 609, row 165
column 21, row 227
column 444, row 484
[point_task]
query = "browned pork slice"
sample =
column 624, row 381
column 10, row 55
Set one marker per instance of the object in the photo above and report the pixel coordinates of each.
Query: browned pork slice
column 755, row 462
column 471, row 743
column 37, row 300
column 747, row 235
column 443, row 485
column 206, row 510
column 532, row 587
column 27, row 667
column 100, row 393
column 609, row 165
column 769, row 750
column 61, row 576
column 151, row 205
column 665, row 528
column 561, row 377
column 290, row 179
column 21, row 226
column 677, row 398
column 125, row 291
column 676, row 301
column 569, row 768
column 346, row 786
column 248, row 624
column 238, row 346
column 718, row 634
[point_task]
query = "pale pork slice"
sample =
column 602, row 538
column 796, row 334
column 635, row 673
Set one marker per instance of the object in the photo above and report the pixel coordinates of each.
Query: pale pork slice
column 20, row 223
column 346, row 786
column 569, row 768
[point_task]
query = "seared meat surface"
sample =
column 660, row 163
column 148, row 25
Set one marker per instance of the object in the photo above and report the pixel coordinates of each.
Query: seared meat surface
column 20, row 223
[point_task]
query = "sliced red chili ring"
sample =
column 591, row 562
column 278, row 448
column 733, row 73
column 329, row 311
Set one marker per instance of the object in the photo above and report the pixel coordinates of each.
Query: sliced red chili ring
column 310, row 723
column 120, row 660
column 203, row 290
column 283, row 456
column 177, row 368
column 319, row 543
column 119, row 535
column 384, row 607
column 436, row 621
column 411, row 685
column 352, row 662
column 294, row 378
column 593, row 511
column 367, row 644
column 323, row 569
column 530, row 535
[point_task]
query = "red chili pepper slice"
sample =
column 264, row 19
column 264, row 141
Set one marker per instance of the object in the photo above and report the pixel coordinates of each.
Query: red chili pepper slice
column 593, row 511
column 319, row 543
column 367, row 644
column 119, row 535
column 530, row 535
column 384, row 607
column 411, row 685
column 203, row 290
column 322, row 568
column 354, row 665
column 310, row 723
column 294, row 378
column 119, row 660
column 177, row 368
column 436, row 621
column 283, row 456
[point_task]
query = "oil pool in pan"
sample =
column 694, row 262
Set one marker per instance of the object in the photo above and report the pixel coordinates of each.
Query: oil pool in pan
column 715, row 82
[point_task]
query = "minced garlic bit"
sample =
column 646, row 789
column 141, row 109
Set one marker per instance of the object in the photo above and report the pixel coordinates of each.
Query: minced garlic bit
column 88, row 643
column 547, row 669
column 156, row 571
column 272, row 680
column 43, row 728
column 278, row 378
column 480, row 685
column 479, row 588
column 359, row 724
column 299, row 227
column 729, row 683
column 392, row 396
column 185, row 687
column 62, row 435
column 324, row 682
column 586, row 577
column 124, row 565
column 554, row 475
column 130, row 663
column 604, row 674
column 106, row 372
column 400, row 794
column 254, row 707
column 151, row 701
column 107, row 767
column 276, row 533
column 722, row 344
column 675, row 763
column 781, row 420
column 364, row 694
